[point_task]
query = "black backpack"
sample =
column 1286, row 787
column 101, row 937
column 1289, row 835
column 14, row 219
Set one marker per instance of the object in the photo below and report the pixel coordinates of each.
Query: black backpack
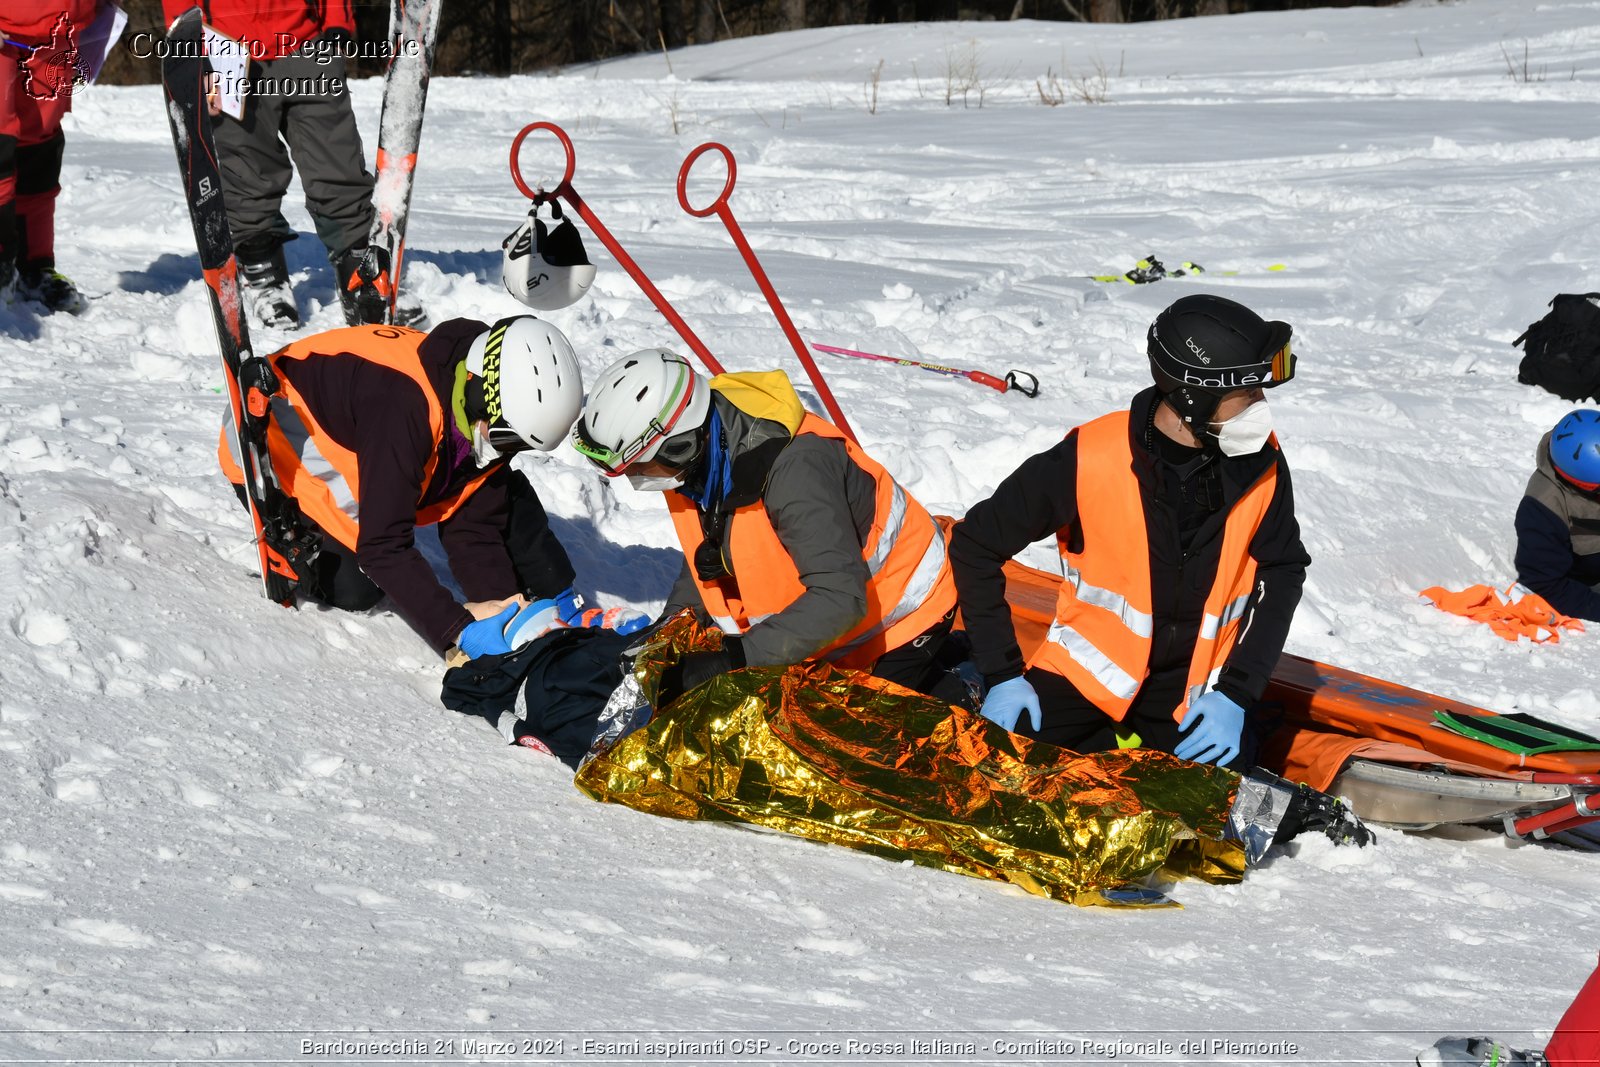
column 1563, row 348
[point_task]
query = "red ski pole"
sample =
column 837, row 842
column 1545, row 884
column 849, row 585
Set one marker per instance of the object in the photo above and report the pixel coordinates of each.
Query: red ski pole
column 1012, row 380
column 566, row 192
column 720, row 208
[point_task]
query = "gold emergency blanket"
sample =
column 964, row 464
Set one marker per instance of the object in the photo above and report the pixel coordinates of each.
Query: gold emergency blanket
column 849, row 759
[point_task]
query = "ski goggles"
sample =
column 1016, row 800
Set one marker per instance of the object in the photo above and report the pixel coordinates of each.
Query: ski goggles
column 655, row 438
column 1281, row 363
column 507, row 441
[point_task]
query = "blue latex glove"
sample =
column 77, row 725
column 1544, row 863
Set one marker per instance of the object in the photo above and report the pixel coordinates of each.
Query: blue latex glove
column 487, row 637
column 1214, row 725
column 1005, row 702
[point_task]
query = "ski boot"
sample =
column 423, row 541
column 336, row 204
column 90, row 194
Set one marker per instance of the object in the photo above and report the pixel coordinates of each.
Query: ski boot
column 365, row 284
column 361, row 277
column 575, row 613
column 532, row 622
column 1269, row 810
column 1477, row 1052
column 267, row 293
column 1149, row 269
column 48, row 286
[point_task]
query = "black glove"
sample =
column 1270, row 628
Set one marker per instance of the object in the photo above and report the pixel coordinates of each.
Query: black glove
column 697, row 667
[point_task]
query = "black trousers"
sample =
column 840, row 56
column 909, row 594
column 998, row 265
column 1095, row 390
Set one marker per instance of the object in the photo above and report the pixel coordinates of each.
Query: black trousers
column 927, row 663
column 1069, row 720
column 538, row 558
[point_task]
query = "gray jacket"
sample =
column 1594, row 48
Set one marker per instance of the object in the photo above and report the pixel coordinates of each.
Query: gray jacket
column 821, row 506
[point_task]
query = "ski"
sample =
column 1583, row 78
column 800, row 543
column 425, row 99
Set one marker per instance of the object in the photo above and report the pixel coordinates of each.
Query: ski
column 279, row 538
column 1150, row 269
column 413, row 31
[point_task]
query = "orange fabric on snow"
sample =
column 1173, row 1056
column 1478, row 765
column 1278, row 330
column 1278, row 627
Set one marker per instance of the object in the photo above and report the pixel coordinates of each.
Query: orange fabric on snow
column 1514, row 613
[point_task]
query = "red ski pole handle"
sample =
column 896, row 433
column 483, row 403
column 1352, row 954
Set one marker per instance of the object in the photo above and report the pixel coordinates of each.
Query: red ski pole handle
column 516, row 150
column 718, row 205
column 720, row 208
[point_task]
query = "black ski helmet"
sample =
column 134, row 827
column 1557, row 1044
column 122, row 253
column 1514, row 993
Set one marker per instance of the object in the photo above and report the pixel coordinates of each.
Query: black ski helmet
column 1204, row 346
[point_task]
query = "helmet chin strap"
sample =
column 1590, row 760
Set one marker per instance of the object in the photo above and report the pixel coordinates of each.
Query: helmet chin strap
column 1194, row 409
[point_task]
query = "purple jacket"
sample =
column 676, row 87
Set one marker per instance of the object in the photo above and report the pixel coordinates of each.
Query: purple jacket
column 381, row 416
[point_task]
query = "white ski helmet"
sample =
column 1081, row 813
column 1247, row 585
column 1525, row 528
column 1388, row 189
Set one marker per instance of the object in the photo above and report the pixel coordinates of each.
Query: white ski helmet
column 543, row 265
column 636, row 405
column 531, row 387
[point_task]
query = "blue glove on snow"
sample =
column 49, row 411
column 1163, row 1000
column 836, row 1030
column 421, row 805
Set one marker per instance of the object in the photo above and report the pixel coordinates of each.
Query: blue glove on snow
column 1005, row 702
column 1214, row 725
column 487, row 637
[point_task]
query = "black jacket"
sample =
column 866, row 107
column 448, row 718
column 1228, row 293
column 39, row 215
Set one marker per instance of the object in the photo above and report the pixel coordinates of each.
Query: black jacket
column 1040, row 498
column 554, row 688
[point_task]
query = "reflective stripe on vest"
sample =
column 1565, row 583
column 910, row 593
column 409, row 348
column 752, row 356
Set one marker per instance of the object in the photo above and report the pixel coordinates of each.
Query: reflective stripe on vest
column 1100, row 639
column 321, row 475
column 909, row 586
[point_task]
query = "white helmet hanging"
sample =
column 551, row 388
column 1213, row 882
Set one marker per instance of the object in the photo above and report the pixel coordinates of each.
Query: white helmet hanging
column 532, row 388
column 544, row 264
column 638, row 403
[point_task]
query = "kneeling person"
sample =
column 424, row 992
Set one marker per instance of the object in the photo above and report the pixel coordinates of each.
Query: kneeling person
column 376, row 430
column 1558, row 520
column 1179, row 546
column 796, row 543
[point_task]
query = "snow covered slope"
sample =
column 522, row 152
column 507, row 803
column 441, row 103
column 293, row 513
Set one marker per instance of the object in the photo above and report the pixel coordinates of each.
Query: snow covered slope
column 218, row 815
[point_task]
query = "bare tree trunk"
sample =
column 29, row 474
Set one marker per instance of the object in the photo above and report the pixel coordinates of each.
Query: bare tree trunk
column 794, row 14
column 705, row 21
column 1105, row 11
column 672, row 23
column 649, row 21
column 1211, row 7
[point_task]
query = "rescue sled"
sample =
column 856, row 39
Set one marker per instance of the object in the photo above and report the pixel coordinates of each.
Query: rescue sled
column 1401, row 757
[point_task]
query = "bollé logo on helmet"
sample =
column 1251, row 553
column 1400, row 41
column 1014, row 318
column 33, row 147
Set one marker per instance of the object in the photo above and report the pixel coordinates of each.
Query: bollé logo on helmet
column 491, row 373
column 1199, row 352
column 1226, row 379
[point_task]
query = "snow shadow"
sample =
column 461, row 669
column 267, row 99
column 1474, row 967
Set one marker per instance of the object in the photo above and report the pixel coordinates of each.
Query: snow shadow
column 165, row 277
column 482, row 265
column 607, row 572
column 20, row 321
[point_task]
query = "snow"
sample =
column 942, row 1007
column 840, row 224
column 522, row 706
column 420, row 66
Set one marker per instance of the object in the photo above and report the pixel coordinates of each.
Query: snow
column 226, row 828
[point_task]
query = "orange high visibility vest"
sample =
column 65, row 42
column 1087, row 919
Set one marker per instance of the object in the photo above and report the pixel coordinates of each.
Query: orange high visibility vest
column 909, row 586
column 323, row 476
column 1100, row 640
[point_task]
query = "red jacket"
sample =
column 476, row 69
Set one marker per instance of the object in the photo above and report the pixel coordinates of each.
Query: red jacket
column 272, row 28
column 30, row 21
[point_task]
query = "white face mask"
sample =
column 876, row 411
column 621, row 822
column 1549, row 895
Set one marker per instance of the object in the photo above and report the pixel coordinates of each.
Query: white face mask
column 654, row 483
column 1246, row 432
column 483, row 453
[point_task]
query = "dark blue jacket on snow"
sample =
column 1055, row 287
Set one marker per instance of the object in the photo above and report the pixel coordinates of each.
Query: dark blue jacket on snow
column 1558, row 541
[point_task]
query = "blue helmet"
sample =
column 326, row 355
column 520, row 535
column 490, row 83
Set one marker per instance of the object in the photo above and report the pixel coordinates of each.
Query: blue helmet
column 1575, row 447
